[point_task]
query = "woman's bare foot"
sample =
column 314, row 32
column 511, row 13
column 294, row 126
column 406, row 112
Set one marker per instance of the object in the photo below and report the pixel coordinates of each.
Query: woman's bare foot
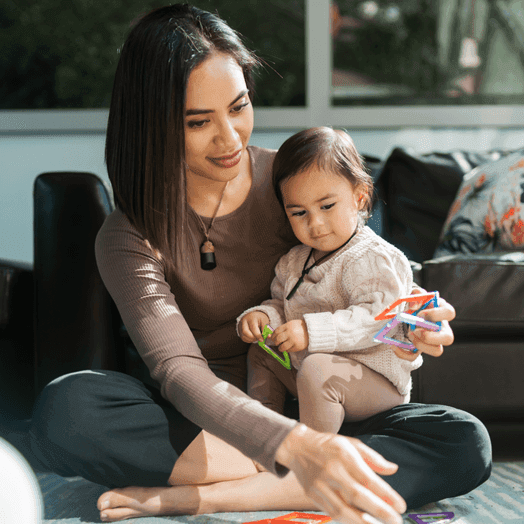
column 126, row 503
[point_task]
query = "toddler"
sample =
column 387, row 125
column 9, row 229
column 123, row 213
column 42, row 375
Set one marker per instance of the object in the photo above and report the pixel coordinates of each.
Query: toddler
column 327, row 292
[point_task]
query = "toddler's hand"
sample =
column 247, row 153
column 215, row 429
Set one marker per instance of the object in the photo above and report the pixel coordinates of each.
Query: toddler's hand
column 252, row 325
column 291, row 336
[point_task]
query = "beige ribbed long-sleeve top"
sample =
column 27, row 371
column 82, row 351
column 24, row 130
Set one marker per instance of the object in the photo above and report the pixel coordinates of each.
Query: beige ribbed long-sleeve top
column 179, row 322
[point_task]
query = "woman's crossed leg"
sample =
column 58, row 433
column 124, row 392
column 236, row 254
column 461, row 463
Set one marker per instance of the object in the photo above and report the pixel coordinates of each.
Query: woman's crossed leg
column 209, row 477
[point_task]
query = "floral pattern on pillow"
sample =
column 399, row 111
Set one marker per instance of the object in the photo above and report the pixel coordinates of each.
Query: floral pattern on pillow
column 487, row 214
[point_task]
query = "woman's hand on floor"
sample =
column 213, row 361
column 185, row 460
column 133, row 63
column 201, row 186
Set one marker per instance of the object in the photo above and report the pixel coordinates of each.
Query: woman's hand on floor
column 426, row 341
column 339, row 474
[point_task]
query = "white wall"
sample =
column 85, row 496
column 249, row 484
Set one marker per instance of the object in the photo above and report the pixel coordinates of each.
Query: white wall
column 23, row 157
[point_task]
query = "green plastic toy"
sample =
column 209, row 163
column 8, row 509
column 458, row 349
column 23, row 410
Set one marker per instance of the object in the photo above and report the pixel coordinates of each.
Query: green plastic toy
column 265, row 333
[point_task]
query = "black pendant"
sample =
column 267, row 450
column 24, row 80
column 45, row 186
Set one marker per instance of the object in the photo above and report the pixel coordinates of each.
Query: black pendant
column 207, row 256
column 208, row 261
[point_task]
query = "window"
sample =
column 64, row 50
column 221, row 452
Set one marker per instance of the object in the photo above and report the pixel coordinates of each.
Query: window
column 427, row 52
column 347, row 63
column 63, row 54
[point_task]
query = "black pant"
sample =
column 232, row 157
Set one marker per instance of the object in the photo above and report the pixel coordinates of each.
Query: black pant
column 111, row 429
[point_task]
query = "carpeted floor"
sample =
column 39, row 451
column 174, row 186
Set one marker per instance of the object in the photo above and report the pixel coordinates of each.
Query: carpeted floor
column 498, row 501
column 73, row 500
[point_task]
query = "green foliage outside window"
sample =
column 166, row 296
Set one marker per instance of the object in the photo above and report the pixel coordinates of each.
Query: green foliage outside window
column 426, row 52
column 63, row 53
column 401, row 39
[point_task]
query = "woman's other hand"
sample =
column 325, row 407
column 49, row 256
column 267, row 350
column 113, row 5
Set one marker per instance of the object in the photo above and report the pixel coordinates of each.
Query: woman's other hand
column 339, row 474
column 426, row 341
column 252, row 325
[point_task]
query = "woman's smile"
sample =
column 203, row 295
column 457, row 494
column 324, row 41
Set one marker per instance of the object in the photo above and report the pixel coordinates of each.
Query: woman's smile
column 227, row 161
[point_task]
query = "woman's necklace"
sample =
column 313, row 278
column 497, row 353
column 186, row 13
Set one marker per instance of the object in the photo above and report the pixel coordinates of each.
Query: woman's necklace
column 207, row 249
column 306, row 271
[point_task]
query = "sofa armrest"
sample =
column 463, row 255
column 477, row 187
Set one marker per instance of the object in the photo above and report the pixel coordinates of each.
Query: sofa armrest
column 76, row 322
column 486, row 291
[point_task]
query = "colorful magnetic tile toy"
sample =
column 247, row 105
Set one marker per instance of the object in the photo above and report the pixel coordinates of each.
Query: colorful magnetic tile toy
column 424, row 298
column 302, row 518
column 410, row 317
column 285, row 361
column 432, row 518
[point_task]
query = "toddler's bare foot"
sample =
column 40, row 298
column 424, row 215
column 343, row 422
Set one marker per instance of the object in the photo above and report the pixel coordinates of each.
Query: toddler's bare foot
column 126, row 503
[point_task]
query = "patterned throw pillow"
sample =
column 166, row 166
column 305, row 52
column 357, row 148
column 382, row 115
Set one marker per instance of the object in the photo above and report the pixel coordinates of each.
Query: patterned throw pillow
column 487, row 214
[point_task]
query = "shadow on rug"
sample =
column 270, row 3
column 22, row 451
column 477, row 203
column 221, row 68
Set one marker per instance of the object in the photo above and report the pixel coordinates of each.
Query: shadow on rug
column 498, row 501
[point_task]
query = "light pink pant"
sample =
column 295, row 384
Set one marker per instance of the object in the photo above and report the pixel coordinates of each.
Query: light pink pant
column 330, row 389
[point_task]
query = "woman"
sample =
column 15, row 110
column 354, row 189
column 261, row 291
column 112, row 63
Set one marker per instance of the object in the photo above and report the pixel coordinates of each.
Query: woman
column 193, row 243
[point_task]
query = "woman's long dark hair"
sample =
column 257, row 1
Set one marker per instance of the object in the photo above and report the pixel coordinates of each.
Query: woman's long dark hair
column 145, row 147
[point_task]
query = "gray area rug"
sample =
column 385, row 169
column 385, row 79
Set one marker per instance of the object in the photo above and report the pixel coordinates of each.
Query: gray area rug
column 498, row 501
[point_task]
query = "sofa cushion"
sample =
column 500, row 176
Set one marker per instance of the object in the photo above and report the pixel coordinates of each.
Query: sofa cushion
column 483, row 378
column 487, row 214
column 486, row 291
column 417, row 191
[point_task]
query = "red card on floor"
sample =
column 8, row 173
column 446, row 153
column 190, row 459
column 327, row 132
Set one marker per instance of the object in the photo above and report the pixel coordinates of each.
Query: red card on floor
column 311, row 518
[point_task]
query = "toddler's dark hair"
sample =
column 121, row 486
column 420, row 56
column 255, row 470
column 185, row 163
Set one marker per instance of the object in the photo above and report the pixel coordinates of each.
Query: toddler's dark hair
column 331, row 150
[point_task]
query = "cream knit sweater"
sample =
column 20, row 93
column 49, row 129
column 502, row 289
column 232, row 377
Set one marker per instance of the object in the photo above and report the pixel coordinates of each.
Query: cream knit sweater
column 339, row 300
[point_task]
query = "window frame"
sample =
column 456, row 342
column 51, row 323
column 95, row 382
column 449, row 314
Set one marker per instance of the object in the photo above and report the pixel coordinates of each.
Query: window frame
column 318, row 109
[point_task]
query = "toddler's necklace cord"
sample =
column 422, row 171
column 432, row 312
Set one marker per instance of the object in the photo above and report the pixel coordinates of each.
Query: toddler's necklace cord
column 306, row 271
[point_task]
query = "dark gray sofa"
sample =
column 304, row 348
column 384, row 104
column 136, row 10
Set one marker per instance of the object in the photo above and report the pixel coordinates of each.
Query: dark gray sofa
column 57, row 317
